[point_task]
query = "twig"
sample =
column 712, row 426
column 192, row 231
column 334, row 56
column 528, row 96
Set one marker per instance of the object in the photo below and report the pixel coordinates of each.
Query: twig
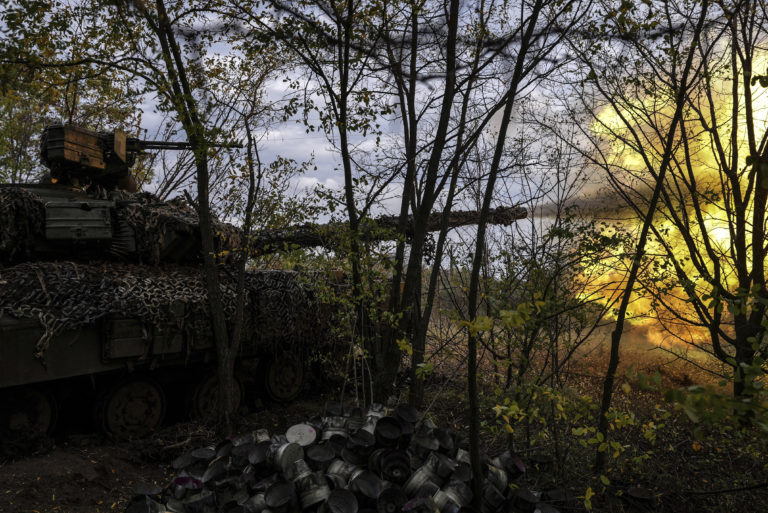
column 179, row 444
column 727, row 490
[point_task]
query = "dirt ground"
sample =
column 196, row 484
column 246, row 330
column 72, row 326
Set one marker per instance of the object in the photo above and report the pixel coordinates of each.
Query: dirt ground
column 83, row 472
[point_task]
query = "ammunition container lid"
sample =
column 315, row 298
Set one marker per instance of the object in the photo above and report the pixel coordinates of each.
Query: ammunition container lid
column 341, row 501
column 302, row 434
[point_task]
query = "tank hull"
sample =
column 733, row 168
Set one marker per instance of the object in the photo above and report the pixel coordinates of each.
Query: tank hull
column 132, row 333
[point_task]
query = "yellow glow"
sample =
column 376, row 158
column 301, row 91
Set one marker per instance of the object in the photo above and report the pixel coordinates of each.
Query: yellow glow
column 631, row 168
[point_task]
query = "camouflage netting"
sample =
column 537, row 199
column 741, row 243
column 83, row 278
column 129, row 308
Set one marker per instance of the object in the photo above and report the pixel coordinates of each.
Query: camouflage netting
column 157, row 224
column 164, row 231
column 280, row 310
column 22, row 217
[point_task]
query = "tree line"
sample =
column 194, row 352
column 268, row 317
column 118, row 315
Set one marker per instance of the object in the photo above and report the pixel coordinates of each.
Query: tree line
column 583, row 111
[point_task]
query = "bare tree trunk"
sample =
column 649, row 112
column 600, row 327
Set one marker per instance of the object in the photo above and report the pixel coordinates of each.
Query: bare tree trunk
column 412, row 288
column 613, row 362
column 477, row 262
column 186, row 106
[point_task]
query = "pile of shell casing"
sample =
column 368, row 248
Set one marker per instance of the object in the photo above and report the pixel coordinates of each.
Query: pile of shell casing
column 345, row 461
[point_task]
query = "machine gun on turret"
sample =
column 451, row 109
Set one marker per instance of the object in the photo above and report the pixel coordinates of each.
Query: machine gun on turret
column 80, row 157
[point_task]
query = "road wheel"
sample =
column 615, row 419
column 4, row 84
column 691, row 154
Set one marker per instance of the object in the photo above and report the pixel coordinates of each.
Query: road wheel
column 133, row 408
column 283, row 376
column 205, row 399
column 29, row 409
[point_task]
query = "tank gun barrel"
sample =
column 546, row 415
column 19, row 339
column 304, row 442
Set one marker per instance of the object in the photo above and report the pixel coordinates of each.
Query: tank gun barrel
column 134, row 144
column 138, row 145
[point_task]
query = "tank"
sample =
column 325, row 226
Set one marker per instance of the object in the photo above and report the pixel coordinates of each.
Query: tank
column 103, row 304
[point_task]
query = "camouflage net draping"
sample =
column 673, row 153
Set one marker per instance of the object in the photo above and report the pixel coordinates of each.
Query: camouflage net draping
column 165, row 231
column 156, row 223
column 22, row 218
column 280, row 311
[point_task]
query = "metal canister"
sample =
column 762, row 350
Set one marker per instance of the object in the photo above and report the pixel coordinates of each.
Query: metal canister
column 355, row 419
column 375, row 412
column 259, row 456
column 335, row 426
column 230, row 484
column 184, row 461
column 456, row 492
column 420, row 505
column 255, row 504
column 341, row 501
column 216, row 469
column 366, row 487
column 492, row 499
column 319, row 456
column 335, row 481
column 199, row 502
column 317, row 423
column 187, row 482
column 396, row 466
column 247, row 438
column 360, row 445
column 248, row 476
column 387, row 432
column 407, row 413
column 240, row 454
column 280, row 497
column 204, row 453
column 370, row 424
column 498, row 478
column 338, row 443
column 422, row 445
column 445, row 439
column 428, row 489
column 462, row 473
column 311, row 486
column 406, row 435
column 302, row 434
column 374, row 461
column 284, row 455
column 224, row 448
column 425, row 427
column 424, row 474
column 524, row 500
column 264, row 484
column 511, row 463
column 261, row 435
column 343, row 469
column 445, row 465
column 391, row 500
